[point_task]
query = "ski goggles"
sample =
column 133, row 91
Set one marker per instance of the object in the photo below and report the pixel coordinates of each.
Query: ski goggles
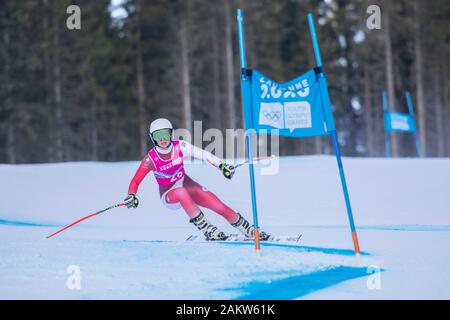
column 163, row 134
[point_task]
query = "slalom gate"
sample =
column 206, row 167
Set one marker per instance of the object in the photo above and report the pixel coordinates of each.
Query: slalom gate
column 298, row 108
column 399, row 122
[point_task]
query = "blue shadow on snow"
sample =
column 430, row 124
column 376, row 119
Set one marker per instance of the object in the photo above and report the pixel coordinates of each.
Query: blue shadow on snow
column 301, row 285
column 298, row 286
column 25, row 224
column 344, row 252
column 293, row 286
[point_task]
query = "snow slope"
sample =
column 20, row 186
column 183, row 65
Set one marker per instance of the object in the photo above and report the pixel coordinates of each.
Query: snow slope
column 401, row 209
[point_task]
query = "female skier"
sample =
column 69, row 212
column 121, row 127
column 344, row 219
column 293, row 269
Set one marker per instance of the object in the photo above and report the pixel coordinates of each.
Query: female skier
column 177, row 189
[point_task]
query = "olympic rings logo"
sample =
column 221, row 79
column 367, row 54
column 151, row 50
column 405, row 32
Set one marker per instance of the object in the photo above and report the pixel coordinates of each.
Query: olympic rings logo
column 272, row 115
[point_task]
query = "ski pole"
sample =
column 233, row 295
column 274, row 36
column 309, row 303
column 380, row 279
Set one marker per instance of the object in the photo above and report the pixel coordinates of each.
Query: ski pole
column 85, row 218
column 254, row 159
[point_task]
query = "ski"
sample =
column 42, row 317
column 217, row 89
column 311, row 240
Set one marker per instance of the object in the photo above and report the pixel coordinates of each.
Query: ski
column 242, row 238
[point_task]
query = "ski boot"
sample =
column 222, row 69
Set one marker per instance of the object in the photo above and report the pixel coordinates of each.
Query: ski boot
column 247, row 230
column 210, row 231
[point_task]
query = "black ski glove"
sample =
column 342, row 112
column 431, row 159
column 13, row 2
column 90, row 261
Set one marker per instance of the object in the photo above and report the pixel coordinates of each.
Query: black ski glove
column 131, row 201
column 227, row 170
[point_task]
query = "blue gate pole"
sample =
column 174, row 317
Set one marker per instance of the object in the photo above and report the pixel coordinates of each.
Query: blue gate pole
column 411, row 112
column 247, row 107
column 326, row 101
column 387, row 136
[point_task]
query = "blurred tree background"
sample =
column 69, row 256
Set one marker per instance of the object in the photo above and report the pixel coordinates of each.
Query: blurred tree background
column 89, row 94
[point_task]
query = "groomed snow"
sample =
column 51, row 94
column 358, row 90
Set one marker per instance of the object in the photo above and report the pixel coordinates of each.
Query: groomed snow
column 401, row 208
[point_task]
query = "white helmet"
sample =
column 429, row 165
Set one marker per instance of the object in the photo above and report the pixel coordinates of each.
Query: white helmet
column 159, row 124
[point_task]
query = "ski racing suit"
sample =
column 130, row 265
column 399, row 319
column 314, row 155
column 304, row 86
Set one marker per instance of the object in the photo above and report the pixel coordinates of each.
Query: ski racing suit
column 176, row 188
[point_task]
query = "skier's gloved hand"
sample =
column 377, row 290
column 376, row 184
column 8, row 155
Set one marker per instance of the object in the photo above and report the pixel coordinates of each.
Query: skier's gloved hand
column 131, row 201
column 227, row 170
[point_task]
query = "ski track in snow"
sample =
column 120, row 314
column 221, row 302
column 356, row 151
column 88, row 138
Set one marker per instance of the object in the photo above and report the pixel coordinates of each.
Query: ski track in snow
column 400, row 207
column 114, row 269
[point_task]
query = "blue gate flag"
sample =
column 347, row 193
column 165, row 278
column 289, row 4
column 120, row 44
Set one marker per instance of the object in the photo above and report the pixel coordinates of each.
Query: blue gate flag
column 396, row 121
column 295, row 108
column 399, row 122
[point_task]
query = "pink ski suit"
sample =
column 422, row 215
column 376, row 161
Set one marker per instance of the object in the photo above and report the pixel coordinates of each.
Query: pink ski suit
column 176, row 188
